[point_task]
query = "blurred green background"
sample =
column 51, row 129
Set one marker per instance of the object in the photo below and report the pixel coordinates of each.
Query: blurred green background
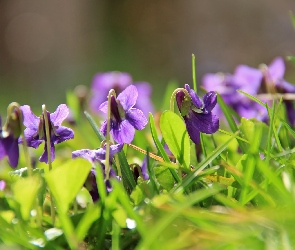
column 48, row 47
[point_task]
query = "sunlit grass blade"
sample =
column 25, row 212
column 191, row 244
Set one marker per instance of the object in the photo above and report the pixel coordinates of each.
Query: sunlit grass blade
column 271, row 124
column 127, row 175
column 151, row 238
column 188, row 180
column 249, row 167
column 94, row 126
column 125, row 202
column 231, row 122
column 92, row 214
column 229, row 202
column 151, row 173
column 252, row 98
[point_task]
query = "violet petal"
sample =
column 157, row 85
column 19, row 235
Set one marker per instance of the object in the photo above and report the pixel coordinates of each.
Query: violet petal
column 103, row 107
column 30, row 119
column 103, row 128
column 192, row 130
column 59, row 115
column 10, row 145
column 31, row 137
column 44, row 156
column 195, row 99
column 124, row 133
column 248, row 79
column 136, row 118
column 206, row 123
column 63, row 133
column 277, row 69
column 210, row 100
column 128, row 97
column 85, row 153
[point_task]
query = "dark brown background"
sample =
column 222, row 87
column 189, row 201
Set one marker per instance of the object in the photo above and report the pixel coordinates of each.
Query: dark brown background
column 49, row 46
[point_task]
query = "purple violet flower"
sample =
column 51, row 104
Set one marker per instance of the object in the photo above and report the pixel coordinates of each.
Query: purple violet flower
column 274, row 74
column 103, row 82
column 197, row 113
column 245, row 78
column 98, row 156
column 35, row 132
column 9, row 135
column 124, row 118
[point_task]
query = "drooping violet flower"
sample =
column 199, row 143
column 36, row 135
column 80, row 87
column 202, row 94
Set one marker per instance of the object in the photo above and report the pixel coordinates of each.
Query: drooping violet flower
column 103, row 82
column 197, row 113
column 35, row 132
column 124, row 118
column 9, row 135
column 98, row 156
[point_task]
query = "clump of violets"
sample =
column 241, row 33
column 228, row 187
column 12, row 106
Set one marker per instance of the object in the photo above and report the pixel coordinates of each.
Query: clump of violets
column 98, row 156
column 103, row 82
column 197, row 113
column 245, row 78
column 273, row 77
column 35, row 132
column 254, row 82
column 124, row 117
column 9, row 135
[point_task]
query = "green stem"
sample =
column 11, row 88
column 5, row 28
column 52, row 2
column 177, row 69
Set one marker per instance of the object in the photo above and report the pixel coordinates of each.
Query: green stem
column 48, row 145
column 174, row 94
column 107, row 162
column 194, row 72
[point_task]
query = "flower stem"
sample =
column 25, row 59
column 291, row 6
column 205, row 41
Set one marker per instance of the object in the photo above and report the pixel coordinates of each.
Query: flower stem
column 107, row 162
column 174, row 94
column 14, row 106
column 48, row 145
column 155, row 157
column 194, row 72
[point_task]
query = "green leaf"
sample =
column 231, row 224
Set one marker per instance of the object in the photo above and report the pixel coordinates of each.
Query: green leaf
column 67, row 180
column 156, row 139
column 175, row 134
column 160, row 146
column 164, row 177
column 247, row 128
column 25, row 191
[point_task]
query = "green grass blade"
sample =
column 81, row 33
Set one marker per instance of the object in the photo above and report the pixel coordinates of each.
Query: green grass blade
column 127, row 175
column 231, row 122
column 126, row 204
column 164, row 222
column 188, row 180
column 94, row 126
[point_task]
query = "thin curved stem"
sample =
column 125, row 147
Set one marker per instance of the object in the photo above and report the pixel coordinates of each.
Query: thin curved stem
column 107, row 162
column 174, row 94
column 48, row 145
